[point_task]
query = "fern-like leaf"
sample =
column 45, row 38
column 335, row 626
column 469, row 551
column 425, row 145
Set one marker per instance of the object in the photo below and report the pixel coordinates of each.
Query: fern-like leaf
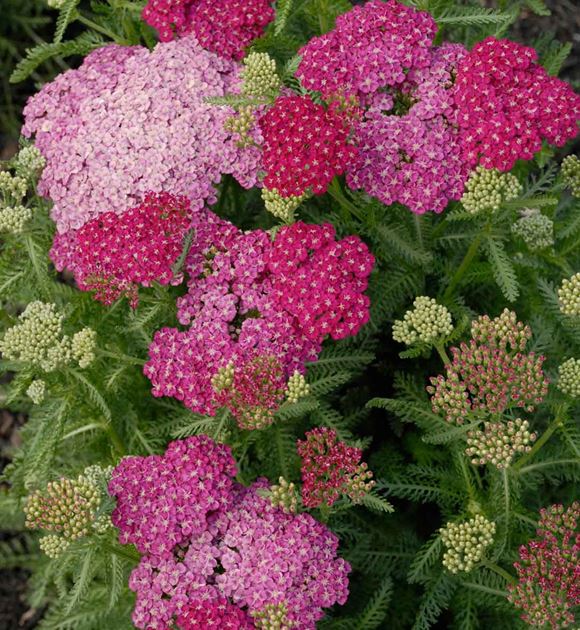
column 503, row 270
column 65, row 17
column 283, row 9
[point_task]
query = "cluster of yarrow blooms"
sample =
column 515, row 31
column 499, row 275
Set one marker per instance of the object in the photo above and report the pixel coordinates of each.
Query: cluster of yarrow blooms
column 250, row 296
column 115, row 253
column 331, row 468
column 131, row 121
column 207, row 540
column 490, row 373
column 507, row 104
column 548, row 587
column 224, row 27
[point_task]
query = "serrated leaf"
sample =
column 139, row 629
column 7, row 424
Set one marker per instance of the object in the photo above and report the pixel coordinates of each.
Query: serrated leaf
column 283, row 8
column 66, row 15
column 538, row 7
column 503, row 270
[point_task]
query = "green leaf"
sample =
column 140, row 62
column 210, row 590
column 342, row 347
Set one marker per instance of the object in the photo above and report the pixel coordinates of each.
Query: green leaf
column 554, row 59
column 283, row 8
column 503, row 270
column 375, row 502
column 376, row 610
column 425, row 559
column 538, row 7
column 66, row 15
column 472, row 16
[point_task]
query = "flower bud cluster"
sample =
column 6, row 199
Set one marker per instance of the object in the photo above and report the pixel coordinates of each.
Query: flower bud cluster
column 36, row 391
column 13, row 215
column 67, row 507
column 241, row 125
column 284, row 495
column 535, row 229
column 282, row 207
column 83, row 346
column 13, row 219
column 569, row 295
column 296, row 388
column 12, row 188
column 499, row 442
column 29, row 162
column 488, row 189
column 273, row 617
column 571, row 174
column 426, row 322
column 569, row 377
column 466, row 543
column 504, row 332
column 259, row 75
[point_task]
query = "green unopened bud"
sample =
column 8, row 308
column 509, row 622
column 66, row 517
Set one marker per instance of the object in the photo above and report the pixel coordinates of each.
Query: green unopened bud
column 223, row 378
column 12, row 188
column 83, row 346
column 273, row 617
column 571, row 174
column 426, row 322
column 296, row 388
column 282, row 207
column 13, row 219
column 569, row 296
column 259, row 76
column 535, row 229
column 488, row 189
column 569, row 378
column 284, row 496
column 499, row 442
column 36, row 391
column 29, row 162
column 53, row 546
column 466, row 543
column 241, row 124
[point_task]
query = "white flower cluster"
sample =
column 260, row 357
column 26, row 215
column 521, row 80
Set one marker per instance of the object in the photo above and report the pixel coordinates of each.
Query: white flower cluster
column 426, row 322
column 466, row 542
column 535, row 229
column 488, row 189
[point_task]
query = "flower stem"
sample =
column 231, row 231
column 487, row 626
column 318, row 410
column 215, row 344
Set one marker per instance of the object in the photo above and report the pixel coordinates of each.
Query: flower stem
column 546, row 435
column 335, row 191
column 100, row 29
column 115, row 438
column 464, row 266
column 442, row 353
column 129, row 553
column 497, row 569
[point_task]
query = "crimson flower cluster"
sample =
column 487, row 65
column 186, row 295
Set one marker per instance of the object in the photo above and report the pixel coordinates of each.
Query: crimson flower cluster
column 115, row 253
column 507, row 103
column 548, row 586
column 214, row 614
column 305, row 145
column 207, row 540
column 224, row 27
column 331, row 468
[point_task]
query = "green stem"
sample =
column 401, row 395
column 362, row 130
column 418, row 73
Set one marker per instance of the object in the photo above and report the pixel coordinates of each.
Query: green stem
column 546, row 435
column 335, row 191
column 506, row 495
column 115, row 438
column 129, row 553
column 502, row 572
column 442, row 353
column 464, row 266
column 100, row 29
column 552, row 462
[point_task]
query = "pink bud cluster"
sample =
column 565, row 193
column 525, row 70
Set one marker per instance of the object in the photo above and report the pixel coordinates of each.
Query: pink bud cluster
column 224, row 27
column 485, row 375
column 548, row 585
column 115, row 253
column 131, row 121
column 371, row 47
column 507, row 104
column 250, row 296
column 217, row 614
column 331, row 468
column 208, row 540
column 305, row 145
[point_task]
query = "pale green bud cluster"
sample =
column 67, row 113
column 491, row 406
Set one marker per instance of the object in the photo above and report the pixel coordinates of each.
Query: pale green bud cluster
column 498, row 442
column 360, row 483
column 535, row 229
column 38, row 338
column 12, row 188
column 282, row 207
column 273, row 617
column 13, row 219
column 55, row 4
column 83, row 346
column 571, row 174
column 259, row 75
column 36, row 391
column 29, row 162
column 100, row 477
column 223, row 378
column 466, row 543
column 241, row 124
column 284, row 495
column 53, row 546
column 488, row 189
column 426, row 322
column 569, row 295
column 569, row 378
column 296, row 388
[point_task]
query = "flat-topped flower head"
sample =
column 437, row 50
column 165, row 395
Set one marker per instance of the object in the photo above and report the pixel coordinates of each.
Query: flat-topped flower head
column 426, row 322
column 214, row 613
column 224, row 27
column 499, row 442
column 508, row 103
column 466, row 543
column 487, row 189
column 130, row 121
column 305, row 145
column 114, row 254
column 569, row 296
column 569, row 377
column 548, row 587
column 535, row 229
column 259, row 76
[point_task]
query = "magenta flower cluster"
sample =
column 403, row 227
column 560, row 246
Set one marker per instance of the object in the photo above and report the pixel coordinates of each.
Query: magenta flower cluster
column 507, row 104
column 305, row 145
column 224, row 27
column 250, row 296
column 206, row 538
column 114, row 254
column 216, row 614
column 131, row 121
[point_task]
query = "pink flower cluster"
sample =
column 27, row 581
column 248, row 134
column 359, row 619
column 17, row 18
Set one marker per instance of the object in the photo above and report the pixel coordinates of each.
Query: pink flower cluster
column 305, row 145
column 115, row 253
column 548, row 585
column 131, row 121
column 408, row 148
column 507, row 104
column 486, row 375
column 208, row 540
column 371, row 47
column 224, row 27
column 216, row 614
column 250, row 296
column 331, row 468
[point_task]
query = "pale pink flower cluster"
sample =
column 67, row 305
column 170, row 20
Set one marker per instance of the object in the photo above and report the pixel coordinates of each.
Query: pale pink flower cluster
column 207, row 539
column 131, row 121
